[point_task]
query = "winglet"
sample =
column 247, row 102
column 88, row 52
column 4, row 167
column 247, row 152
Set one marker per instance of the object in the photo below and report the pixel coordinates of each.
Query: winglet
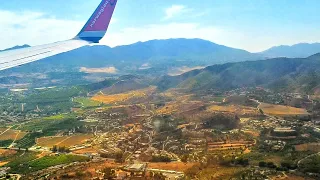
column 97, row 25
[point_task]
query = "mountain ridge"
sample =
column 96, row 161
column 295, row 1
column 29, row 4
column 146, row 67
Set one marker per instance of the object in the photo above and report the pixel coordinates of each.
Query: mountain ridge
column 281, row 74
column 300, row 50
column 161, row 55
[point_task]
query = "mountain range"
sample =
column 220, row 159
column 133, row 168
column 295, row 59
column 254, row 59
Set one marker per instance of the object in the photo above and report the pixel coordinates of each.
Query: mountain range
column 159, row 56
column 300, row 50
column 280, row 74
column 220, row 67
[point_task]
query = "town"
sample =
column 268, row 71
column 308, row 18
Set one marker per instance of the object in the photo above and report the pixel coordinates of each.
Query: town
column 172, row 135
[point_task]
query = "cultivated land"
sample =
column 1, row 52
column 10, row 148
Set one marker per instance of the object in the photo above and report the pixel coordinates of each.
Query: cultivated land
column 202, row 135
column 240, row 110
column 123, row 97
column 86, row 102
column 279, row 110
column 9, row 134
column 63, row 141
column 315, row 147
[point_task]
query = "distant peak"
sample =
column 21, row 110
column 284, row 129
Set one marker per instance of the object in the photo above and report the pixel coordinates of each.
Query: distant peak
column 17, row 47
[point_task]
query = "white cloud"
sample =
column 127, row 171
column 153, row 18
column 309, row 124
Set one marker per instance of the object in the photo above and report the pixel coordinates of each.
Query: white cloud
column 163, row 31
column 253, row 41
column 174, row 10
column 34, row 28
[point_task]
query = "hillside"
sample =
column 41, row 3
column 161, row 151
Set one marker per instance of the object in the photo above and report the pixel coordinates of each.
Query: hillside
column 155, row 56
column 282, row 74
column 301, row 50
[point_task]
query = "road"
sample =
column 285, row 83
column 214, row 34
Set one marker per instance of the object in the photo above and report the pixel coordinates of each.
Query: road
column 17, row 175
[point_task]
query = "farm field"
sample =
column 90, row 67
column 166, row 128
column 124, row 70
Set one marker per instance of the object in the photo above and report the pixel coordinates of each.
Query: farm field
column 11, row 134
column 86, row 102
column 29, row 162
column 253, row 133
column 7, row 152
column 76, row 140
column 61, row 141
column 123, row 97
column 315, row 147
column 219, row 173
column 59, row 117
column 48, row 161
column 179, row 107
column 85, row 150
column 281, row 110
column 240, row 110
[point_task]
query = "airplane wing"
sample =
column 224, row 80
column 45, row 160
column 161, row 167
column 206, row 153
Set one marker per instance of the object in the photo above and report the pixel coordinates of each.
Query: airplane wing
column 92, row 32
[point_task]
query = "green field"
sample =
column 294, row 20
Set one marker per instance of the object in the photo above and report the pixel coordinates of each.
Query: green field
column 86, row 102
column 59, row 117
column 5, row 143
column 54, row 160
column 39, row 128
column 28, row 162
column 19, row 162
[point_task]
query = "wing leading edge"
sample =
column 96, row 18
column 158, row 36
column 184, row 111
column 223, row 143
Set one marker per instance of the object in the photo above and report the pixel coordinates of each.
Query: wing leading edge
column 93, row 31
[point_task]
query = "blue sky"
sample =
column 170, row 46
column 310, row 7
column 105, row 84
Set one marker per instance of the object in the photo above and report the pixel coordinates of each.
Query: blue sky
column 253, row 25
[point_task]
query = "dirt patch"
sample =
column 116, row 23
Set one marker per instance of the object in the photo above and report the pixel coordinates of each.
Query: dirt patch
column 175, row 166
column 315, row 147
column 7, row 152
column 281, row 110
column 237, row 109
column 3, row 163
column 123, row 97
column 253, row 133
column 85, row 150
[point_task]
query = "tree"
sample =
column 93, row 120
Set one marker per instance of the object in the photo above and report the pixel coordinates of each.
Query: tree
column 54, row 148
column 193, row 171
column 261, row 111
column 271, row 165
column 262, row 164
column 109, row 173
column 62, row 149
column 119, row 157
column 159, row 176
column 184, row 158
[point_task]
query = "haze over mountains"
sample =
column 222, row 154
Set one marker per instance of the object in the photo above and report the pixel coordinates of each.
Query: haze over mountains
column 226, row 69
column 300, row 50
column 160, row 55
column 144, row 56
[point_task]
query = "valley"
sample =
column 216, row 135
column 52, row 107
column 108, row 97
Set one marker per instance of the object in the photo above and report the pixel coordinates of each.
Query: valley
column 145, row 131
column 166, row 114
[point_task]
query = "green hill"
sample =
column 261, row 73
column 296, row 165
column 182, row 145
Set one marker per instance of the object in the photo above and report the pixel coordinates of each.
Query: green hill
column 282, row 74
